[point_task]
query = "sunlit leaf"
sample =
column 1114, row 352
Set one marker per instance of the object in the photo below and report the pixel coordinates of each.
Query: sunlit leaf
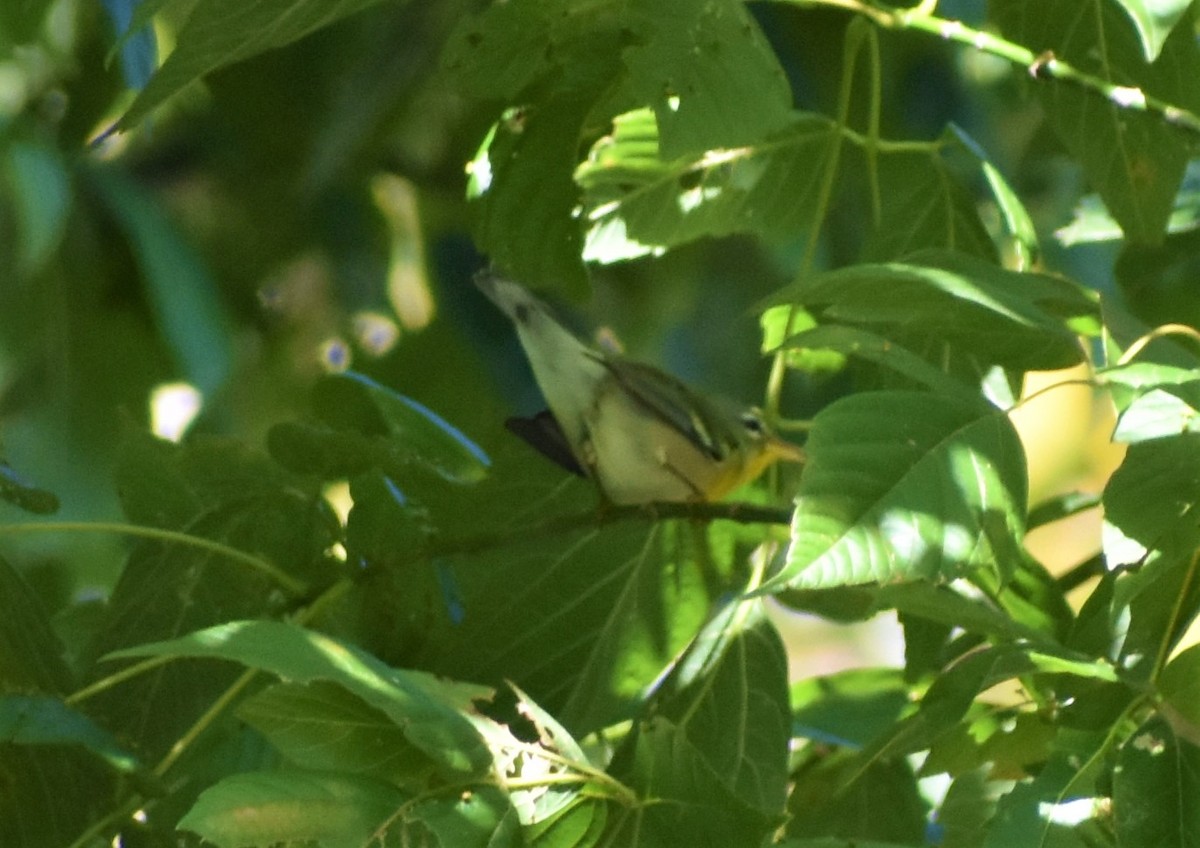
column 1018, row 320
column 426, row 709
column 638, row 203
column 1154, row 20
column 264, row 808
column 585, row 622
column 904, row 485
column 1156, row 779
column 320, row 725
column 714, row 83
column 862, row 344
column 1134, row 159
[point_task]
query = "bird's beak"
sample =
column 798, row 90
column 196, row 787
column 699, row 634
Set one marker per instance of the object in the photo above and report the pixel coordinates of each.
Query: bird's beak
column 784, row 451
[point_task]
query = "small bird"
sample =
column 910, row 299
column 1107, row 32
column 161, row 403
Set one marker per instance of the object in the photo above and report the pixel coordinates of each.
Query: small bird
column 643, row 435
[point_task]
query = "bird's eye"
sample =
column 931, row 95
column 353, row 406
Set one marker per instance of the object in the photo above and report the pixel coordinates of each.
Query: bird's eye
column 753, row 424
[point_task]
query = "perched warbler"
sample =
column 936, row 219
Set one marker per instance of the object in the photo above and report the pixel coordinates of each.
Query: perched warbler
column 641, row 434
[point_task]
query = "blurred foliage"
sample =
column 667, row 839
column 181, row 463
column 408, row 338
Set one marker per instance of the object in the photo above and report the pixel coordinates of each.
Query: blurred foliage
column 273, row 572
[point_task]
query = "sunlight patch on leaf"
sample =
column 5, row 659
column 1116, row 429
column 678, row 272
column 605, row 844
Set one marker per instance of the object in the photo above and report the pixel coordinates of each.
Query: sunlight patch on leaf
column 904, row 485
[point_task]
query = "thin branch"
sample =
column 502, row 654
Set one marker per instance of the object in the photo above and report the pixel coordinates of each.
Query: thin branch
column 286, row 582
column 1043, row 67
column 739, row 513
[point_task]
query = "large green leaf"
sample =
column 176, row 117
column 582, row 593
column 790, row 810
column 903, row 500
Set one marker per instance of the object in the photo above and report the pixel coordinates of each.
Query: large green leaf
column 702, row 67
column 52, row 794
column 429, row 711
column 905, row 485
column 529, row 153
column 1155, row 785
column 1161, row 412
column 692, row 804
column 31, row 656
column 1155, row 472
column 1019, row 320
column 322, row 726
column 923, row 204
column 1134, row 159
column 220, row 32
column 480, row 818
column 257, row 537
column 831, row 791
column 637, row 202
column 267, row 808
column 1179, row 685
column 863, row 344
column 584, row 621
column 732, row 703
column 708, row 73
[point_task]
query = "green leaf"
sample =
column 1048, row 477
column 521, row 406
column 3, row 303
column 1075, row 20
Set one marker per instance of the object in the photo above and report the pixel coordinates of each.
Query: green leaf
column 637, row 202
column 16, row 491
column 1016, row 217
column 852, row 341
column 42, row 720
column 1155, row 472
column 1160, row 412
column 584, row 621
column 1179, row 685
column 848, row 708
column 942, row 604
column 969, row 803
column 267, row 808
column 39, row 188
column 352, row 400
column 1134, row 159
column 1022, row 321
column 479, row 818
column 366, row 426
column 710, row 76
column 548, row 809
column 923, row 204
column 732, row 703
column 258, row 538
column 550, row 61
column 181, row 290
column 582, row 824
column 904, row 485
column 693, row 805
column 1154, row 20
column 1155, row 783
column 321, row 726
column 52, row 794
column 1054, row 808
column 31, row 656
column 831, row 792
column 529, row 153
column 218, row 33
column 428, row 710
